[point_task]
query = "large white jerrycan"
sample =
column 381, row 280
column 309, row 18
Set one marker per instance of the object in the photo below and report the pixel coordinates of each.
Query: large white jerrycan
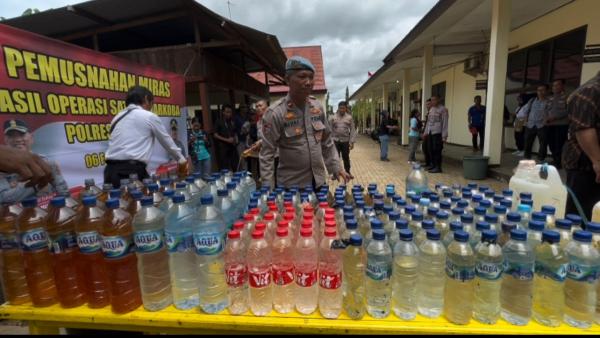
column 545, row 186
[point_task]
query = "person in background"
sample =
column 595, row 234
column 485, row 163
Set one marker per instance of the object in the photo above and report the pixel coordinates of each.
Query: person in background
column 414, row 133
column 581, row 153
column 227, row 141
column 519, row 125
column 476, row 120
column 344, row 133
column 557, row 122
column 425, row 144
column 535, row 115
column 13, row 189
column 175, row 136
column 384, row 135
column 436, row 131
column 200, row 155
column 242, row 130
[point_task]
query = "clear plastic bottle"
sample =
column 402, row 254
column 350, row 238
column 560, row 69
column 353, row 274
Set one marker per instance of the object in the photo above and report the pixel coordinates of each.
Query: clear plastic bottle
column 421, row 234
column 14, row 281
column 179, row 222
column 456, row 214
column 516, row 219
column 208, row 233
column 351, row 229
column 379, row 276
column 389, row 227
column 416, row 181
column 431, row 280
column 504, row 236
column 582, row 280
column 475, row 238
column 259, row 260
column 33, row 234
column 415, row 222
column 525, row 212
column 460, row 277
column 492, row 220
column 479, row 214
column 330, row 277
column 376, row 224
column 468, row 222
column 283, row 272
column 236, row 273
column 576, row 221
column 501, row 211
column 226, row 207
column 449, row 237
column 405, row 276
column 354, row 267
column 548, row 283
column 442, row 222
column 152, row 255
column 306, row 259
column 594, row 228
column 517, row 281
column 488, row 273
column 394, row 237
column 563, row 227
column 534, row 233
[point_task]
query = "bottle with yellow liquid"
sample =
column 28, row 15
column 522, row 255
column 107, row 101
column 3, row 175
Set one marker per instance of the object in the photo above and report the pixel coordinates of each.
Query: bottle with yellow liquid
column 596, row 213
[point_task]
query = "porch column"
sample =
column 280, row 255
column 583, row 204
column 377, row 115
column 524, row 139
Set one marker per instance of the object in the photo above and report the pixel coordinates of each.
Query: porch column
column 497, row 80
column 426, row 80
column 385, row 97
column 373, row 107
column 405, row 106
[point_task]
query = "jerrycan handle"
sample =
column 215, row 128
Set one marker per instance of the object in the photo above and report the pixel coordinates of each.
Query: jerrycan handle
column 578, row 206
column 544, row 171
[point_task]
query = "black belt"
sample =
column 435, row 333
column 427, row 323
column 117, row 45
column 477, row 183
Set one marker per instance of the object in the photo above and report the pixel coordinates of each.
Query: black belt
column 130, row 162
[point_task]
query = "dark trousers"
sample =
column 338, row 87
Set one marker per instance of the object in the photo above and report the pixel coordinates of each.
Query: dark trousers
column 115, row 171
column 520, row 139
column 435, row 147
column 480, row 132
column 530, row 135
column 583, row 184
column 227, row 158
column 425, row 146
column 556, row 137
column 343, row 149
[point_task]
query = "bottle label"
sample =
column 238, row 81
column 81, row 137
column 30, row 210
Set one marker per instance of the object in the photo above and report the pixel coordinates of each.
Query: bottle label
column 489, row 271
column 461, row 273
column 9, row 242
column 260, row 279
column 89, row 242
column 63, row 242
column 179, row 242
column 148, row 241
column 116, row 246
column 582, row 273
column 283, row 276
column 379, row 271
column 306, row 279
column 34, row 239
column 558, row 274
column 236, row 275
column 330, row 281
column 519, row 271
column 208, row 243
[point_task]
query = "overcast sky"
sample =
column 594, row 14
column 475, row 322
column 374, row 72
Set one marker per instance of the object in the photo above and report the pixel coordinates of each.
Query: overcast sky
column 355, row 35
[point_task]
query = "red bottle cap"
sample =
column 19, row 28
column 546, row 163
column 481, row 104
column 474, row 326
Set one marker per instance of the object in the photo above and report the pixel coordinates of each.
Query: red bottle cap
column 260, row 226
column 330, row 232
column 323, row 205
column 307, row 216
column 233, row 234
column 257, row 234
column 330, row 224
column 329, row 211
column 287, row 204
column 306, row 232
column 307, row 224
column 273, row 207
column 289, row 216
column 283, row 224
column 248, row 217
column 238, row 225
column 290, row 209
column 329, row 218
column 269, row 216
column 282, row 232
column 254, row 211
column 309, row 208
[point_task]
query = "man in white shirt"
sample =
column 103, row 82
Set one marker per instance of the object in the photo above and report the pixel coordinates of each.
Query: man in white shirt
column 133, row 132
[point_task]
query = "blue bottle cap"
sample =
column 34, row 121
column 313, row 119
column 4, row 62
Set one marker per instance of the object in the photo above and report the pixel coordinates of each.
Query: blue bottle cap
column 462, row 204
column 394, row 215
column 489, row 236
column 433, row 235
column 507, row 204
column 432, row 211
column 114, row 193
column 425, row 194
column 348, row 208
column 575, row 219
column 165, row 181
column 387, row 209
column 379, row 235
column 445, row 205
column 500, row 209
column 401, row 202
column 427, row 224
column 582, row 236
column 168, row 193
column 485, row 203
column 491, row 218
column 416, row 216
column 525, row 195
column 351, row 224
column 378, row 205
column 409, row 209
column 136, row 195
column 58, row 202
column 461, row 236
column 476, row 198
column 467, row 195
column 402, row 223
column 527, row 202
column 472, row 185
column 434, row 197
column 146, row 201
column 153, row 187
column 489, row 193
column 206, row 199
column 458, row 211
column 454, row 199
column 455, row 226
column 442, row 215
column 465, row 189
column 498, row 198
column 448, row 193
column 230, row 185
column 480, row 211
column 513, row 217
column 222, row 192
column 376, row 224
column 518, row 235
column 483, row 188
column 348, row 215
column 359, row 203
column 466, row 218
column 481, row 226
column 507, row 192
column 550, row 236
column 415, row 199
column 593, row 227
column 548, row 210
column 507, row 227
column 356, row 240
column 181, row 185
column 112, row 203
column 564, row 224
column 179, row 198
column 524, row 208
column 87, row 201
column 189, row 179
column 538, row 216
column 406, row 235
column 378, row 196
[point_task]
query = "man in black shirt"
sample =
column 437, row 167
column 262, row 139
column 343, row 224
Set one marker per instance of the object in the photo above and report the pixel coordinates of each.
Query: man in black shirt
column 227, row 156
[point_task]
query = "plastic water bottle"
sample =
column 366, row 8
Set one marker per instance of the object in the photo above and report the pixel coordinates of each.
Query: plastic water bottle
column 152, row 255
column 194, row 191
column 390, row 225
column 208, row 233
column 467, row 221
column 351, row 229
column 225, row 205
column 404, row 276
column 416, row 181
column 236, row 273
column 534, row 233
column 479, row 214
column 283, row 272
column 548, row 283
column 488, row 273
column 476, row 237
column 182, row 188
column 517, row 281
column 442, row 222
column 306, row 259
column 460, row 276
column 179, row 222
column 525, row 212
column 354, row 267
column 449, row 237
column 259, row 259
column 492, row 220
column 376, row 224
column 422, row 231
column 501, row 211
column 563, row 227
column 431, row 280
column 576, row 221
column 415, row 222
column 582, row 280
column 379, row 275
column 330, row 277
column 456, row 213
column 394, row 237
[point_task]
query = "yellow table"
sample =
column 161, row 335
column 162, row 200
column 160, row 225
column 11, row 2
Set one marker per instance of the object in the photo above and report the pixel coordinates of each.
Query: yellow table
column 49, row 320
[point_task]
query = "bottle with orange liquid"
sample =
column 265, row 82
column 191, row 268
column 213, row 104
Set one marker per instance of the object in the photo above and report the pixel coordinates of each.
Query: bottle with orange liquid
column 91, row 260
column 31, row 227
column 13, row 267
column 63, row 245
column 120, row 259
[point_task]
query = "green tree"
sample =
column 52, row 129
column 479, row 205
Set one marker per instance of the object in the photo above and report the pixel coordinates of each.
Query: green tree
column 30, row 11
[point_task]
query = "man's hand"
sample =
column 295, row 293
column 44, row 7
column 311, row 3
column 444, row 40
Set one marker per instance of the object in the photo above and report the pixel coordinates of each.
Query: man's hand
column 28, row 166
column 351, row 146
column 344, row 175
column 231, row 140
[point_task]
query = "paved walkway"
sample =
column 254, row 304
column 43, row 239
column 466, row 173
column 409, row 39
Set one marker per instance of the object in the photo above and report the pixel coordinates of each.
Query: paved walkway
column 367, row 168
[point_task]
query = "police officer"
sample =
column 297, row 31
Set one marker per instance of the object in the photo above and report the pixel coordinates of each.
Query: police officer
column 344, row 133
column 12, row 188
column 297, row 126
